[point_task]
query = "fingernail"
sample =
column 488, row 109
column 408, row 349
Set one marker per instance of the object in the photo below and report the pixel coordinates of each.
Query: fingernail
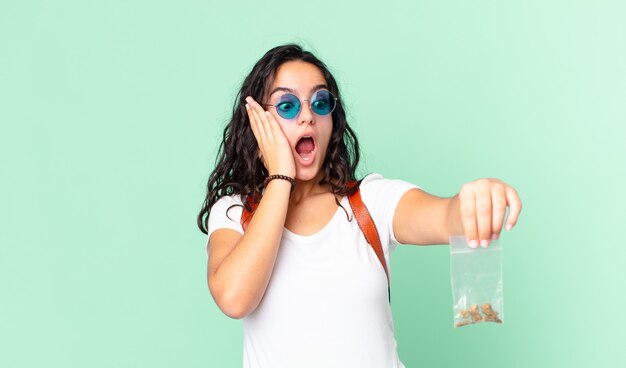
column 484, row 243
column 247, row 106
column 509, row 227
column 473, row 244
column 494, row 236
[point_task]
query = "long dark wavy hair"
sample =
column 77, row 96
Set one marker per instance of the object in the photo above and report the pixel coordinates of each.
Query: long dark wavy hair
column 238, row 168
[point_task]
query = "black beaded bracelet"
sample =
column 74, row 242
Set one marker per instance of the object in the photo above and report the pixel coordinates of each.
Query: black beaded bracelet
column 279, row 176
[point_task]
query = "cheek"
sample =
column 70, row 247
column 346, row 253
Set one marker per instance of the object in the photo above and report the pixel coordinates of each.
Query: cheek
column 325, row 143
column 328, row 133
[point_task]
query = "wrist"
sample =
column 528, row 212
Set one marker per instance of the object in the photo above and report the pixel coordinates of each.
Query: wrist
column 284, row 171
column 279, row 178
column 454, row 219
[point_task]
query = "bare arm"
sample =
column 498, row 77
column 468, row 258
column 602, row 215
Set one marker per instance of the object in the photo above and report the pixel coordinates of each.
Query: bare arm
column 420, row 218
column 239, row 267
column 477, row 212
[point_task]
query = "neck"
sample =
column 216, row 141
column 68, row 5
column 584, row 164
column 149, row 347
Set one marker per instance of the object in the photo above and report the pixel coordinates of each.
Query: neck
column 304, row 189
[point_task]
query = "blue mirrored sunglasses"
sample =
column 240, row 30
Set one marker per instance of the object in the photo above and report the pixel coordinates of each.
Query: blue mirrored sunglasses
column 322, row 103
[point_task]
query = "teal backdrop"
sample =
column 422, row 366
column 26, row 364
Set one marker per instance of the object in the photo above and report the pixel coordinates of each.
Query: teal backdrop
column 112, row 113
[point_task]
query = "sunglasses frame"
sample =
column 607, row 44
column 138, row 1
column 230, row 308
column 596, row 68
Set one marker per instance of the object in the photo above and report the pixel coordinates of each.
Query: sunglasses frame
column 301, row 101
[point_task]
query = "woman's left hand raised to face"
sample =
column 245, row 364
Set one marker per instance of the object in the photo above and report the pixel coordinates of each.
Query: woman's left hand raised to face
column 483, row 204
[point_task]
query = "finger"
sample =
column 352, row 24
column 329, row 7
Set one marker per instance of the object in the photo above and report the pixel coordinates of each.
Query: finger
column 515, row 207
column 498, row 207
column 468, row 216
column 260, row 112
column 253, row 104
column 254, row 127
column 483, row 214
column 259, row 126
column 276, row 128
column 252, row 123
column 270, row 120
column 263, row 122
column 267, row 124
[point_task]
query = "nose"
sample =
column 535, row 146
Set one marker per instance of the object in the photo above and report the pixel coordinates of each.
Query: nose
column 306, row 115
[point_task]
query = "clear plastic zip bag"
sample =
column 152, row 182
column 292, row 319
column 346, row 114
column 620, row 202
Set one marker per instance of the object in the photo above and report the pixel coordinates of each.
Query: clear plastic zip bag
column 476, row 276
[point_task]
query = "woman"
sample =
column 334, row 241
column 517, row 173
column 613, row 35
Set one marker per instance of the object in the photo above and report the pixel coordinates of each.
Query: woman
column 309, row 288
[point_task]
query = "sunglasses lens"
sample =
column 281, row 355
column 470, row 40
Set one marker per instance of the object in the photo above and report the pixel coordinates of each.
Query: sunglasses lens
column 288, row 106
column 323, row 102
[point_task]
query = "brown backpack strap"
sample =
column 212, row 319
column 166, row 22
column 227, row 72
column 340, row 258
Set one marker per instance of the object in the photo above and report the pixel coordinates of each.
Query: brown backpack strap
column 246, row 215
column 363, row 219
column 368, row 227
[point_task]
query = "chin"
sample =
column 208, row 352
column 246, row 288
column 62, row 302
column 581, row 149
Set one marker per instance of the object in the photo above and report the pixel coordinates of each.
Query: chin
column 307, row 173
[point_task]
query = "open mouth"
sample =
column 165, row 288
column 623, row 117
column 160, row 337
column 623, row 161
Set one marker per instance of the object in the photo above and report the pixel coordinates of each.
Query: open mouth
column 305, row 148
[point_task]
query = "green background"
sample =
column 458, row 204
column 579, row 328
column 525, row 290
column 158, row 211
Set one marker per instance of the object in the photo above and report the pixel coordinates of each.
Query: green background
column 112, row 113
